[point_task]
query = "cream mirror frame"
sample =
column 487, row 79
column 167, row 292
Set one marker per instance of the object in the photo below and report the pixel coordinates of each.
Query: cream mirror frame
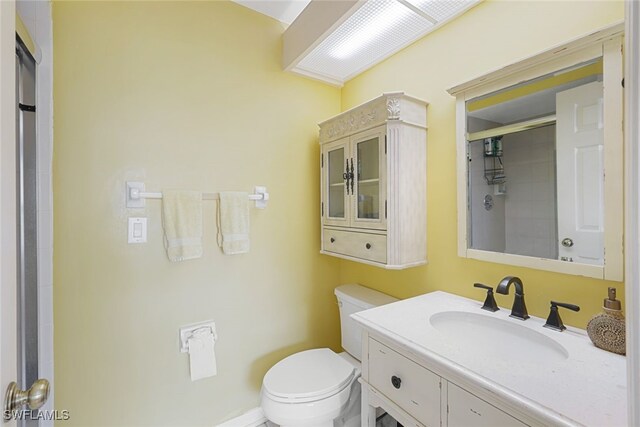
column 607, row 45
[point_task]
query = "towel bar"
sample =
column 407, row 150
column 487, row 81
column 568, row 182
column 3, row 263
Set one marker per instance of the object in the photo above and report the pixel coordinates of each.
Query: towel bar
column 135, row 195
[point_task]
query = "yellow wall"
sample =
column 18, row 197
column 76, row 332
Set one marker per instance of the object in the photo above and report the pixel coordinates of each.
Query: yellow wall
column 491, row 35
column 184, row 95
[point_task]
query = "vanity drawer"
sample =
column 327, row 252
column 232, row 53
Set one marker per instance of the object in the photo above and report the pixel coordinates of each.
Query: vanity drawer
column 465, row 409
column 412, row 387
column 372, row 247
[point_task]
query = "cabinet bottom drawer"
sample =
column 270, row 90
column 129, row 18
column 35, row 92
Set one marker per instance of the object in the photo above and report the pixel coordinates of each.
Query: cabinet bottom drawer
column 372, row 247
column 465, row 409
column 412, row 387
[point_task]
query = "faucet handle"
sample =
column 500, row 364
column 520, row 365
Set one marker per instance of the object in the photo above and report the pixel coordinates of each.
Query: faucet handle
column 490, row 301
column 554, row 321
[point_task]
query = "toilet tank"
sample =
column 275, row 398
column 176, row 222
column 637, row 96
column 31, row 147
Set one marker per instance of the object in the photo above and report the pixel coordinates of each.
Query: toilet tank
column 352, row 299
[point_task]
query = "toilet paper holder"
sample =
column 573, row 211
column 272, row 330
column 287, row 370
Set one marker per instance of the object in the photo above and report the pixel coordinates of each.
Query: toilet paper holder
column 188, row 331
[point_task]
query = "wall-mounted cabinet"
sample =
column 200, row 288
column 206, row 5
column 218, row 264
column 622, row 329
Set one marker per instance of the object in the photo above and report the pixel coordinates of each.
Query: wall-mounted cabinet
column 374, row 182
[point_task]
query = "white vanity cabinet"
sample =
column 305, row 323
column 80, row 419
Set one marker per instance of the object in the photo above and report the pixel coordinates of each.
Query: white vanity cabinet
column 373, row 182
column 416, row 396
column 440, row 360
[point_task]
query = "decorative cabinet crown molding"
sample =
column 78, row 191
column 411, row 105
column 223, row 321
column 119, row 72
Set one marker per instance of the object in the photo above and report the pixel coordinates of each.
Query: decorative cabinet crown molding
column 389, row 106
column 393, row 108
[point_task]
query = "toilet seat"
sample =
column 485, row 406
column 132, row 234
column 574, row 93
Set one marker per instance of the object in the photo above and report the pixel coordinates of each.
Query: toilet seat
column 308, row 376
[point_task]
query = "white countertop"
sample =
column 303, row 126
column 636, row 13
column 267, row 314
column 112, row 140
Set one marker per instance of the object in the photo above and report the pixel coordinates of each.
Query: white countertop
column 587, row 388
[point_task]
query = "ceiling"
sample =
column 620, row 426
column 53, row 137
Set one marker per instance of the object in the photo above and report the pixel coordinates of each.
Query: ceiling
column 285, row 11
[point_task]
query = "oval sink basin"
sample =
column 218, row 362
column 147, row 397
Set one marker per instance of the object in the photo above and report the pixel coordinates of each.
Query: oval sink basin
column 484, row 335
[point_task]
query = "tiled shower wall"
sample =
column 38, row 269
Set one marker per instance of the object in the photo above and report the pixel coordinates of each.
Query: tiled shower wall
column 530, row 204
column 523, row 220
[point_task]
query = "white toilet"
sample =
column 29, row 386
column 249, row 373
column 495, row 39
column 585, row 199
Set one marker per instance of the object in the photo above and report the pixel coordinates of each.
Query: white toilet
column 320, row 388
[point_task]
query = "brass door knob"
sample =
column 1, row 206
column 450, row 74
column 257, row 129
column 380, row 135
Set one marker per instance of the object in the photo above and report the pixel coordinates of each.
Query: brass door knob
column 34, row 397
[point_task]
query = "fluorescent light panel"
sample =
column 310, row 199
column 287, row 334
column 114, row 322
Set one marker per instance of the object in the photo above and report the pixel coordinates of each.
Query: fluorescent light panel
column 381, row 18
column 377, row 30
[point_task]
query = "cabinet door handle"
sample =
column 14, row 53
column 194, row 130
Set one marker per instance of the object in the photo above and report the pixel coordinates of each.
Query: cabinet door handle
column 396, row 381
column 346, row 175
column 333, row 240
column 368, row 246
column 352, row 176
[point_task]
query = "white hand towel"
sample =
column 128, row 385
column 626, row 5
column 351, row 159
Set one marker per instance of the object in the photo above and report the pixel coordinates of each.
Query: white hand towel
column 233, row 222
column 182, row 223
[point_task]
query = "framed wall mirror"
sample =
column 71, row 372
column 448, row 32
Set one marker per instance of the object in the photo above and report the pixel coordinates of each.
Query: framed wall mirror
column 540, row 161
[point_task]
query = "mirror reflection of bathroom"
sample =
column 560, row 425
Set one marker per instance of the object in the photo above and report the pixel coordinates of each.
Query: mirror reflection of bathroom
column 535, row 175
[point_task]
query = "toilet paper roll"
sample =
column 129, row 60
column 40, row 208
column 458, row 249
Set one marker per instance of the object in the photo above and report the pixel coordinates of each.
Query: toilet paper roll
column 202, row 356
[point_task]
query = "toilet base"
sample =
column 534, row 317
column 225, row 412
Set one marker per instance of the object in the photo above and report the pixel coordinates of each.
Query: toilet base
column 346, row 415
column 351, row 414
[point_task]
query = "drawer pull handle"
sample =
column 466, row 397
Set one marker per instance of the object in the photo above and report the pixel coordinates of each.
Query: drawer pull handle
column 396, row 381
column 368, row 246
column 333, row 240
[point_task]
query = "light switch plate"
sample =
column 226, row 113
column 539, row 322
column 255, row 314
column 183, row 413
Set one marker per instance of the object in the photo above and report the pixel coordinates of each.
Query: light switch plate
column 137, row 231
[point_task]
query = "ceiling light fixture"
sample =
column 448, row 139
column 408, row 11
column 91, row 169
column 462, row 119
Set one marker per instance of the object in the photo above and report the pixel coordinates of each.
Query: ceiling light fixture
column 352, row 36
column 335, row 41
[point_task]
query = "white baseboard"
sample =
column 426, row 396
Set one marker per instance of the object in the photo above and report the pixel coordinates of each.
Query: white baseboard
column 253, row 418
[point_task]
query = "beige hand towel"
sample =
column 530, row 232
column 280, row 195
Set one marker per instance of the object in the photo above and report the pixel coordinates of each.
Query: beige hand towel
column 182, row 223
column 233, row 222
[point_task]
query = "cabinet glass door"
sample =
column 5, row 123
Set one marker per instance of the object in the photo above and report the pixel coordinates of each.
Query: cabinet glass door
column 336, row 207
column 368, row 179
column 369, row 191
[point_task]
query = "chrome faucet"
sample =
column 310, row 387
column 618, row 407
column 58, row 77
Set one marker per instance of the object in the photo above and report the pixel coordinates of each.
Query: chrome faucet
column 519, row 309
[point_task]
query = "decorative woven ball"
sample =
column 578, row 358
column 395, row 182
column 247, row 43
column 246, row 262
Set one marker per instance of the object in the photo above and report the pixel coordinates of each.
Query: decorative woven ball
column 608, row 333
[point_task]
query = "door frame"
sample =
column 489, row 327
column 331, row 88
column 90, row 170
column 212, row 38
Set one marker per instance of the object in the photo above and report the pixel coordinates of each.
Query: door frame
column 8, row 261
column 39, row 33
column 632, row 207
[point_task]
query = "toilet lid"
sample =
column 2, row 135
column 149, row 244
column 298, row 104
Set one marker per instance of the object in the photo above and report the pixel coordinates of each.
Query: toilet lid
column 309, row 374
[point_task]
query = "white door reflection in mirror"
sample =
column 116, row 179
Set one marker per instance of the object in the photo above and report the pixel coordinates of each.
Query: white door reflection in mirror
column 580, row 174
